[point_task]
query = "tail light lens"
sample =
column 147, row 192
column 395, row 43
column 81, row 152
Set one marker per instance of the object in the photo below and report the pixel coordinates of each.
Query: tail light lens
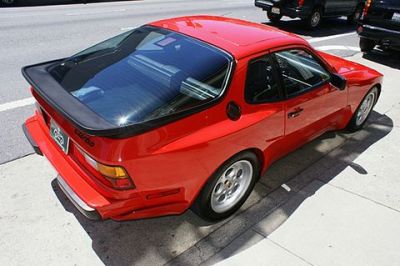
column 117, row 175
column 301, row 3
column 366, row 8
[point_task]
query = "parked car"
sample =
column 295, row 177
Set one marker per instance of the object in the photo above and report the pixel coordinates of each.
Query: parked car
column 187, row 112
column 380, row 25
column 311, row 11
column 10, row 3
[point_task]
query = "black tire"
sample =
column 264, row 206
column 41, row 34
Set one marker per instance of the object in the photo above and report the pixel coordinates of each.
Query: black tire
column 8, row 2
column 314, row 20
column 274, row 18
column 353, row 18
column 366, row 45
column 353, row 125
column 202, row 205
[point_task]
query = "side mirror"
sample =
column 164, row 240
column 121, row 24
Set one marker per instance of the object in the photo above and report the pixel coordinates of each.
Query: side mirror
column 338, row 81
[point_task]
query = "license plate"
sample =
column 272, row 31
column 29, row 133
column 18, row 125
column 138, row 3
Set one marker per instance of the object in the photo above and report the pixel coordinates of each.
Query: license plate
column 59, row 136
column 276, row 10
column 396, row 17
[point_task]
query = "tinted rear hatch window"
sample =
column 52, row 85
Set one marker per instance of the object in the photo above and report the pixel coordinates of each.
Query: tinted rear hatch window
column 143, row 75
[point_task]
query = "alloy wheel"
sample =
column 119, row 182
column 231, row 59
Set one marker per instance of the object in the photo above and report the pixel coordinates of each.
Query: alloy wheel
column 231, row 186
column 365, row 108
column 315, row 19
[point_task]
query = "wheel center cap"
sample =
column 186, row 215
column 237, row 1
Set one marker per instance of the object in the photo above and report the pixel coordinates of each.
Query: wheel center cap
column 228, row 184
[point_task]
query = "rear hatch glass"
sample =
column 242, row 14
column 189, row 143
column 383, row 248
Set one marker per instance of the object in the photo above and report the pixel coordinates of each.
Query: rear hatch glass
column 144, row 74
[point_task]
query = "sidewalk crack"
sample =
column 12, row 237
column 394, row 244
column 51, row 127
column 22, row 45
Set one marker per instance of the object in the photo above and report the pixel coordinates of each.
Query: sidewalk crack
column 361, row 196
column 289, row 251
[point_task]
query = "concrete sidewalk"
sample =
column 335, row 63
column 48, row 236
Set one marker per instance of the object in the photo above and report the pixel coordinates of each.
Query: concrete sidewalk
column 352, row 219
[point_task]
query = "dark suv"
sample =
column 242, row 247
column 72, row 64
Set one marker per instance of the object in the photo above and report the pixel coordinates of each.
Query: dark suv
column 10, row 3
column 380, row 25
column 311, row 11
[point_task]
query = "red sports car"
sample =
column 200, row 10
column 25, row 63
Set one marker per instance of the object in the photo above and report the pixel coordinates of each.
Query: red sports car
column 187, row 112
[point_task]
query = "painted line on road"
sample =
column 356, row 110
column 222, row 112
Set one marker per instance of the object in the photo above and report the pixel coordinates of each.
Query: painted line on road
column 16, row 104
column 321, row 39
column 95, row 12
column 338, row 47
column 129, row 28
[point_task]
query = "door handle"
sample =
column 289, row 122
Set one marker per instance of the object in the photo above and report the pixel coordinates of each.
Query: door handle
column 295, row 113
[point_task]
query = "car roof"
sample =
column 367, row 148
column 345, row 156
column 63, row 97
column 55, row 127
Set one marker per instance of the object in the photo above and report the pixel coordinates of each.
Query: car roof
column 238, row 37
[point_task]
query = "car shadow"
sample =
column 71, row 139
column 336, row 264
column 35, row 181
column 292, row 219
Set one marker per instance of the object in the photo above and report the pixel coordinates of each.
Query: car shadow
column 152, row 241
column 178, row 239
column 328, row 27
column 388, row 58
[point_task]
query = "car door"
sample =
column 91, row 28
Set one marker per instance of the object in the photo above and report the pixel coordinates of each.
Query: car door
column 339, row 7
column 264, row 102
column 333, row 7
column 312, row 103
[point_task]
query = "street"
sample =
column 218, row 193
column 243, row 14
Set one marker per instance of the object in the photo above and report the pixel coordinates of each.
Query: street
column 41, row 227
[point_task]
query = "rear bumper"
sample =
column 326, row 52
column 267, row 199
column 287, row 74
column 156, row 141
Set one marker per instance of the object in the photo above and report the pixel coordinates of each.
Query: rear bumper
column 70, row 181
column 83, row 195
column 293, row 12
column 381, row 36
column 31, row 141
column 85, row 209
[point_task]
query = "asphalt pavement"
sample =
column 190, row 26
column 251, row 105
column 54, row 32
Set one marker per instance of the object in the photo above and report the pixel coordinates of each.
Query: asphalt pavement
column 40, row 226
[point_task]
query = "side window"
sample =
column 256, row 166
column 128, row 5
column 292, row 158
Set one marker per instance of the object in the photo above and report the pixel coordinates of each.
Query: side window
column 300, row 71
column 261, row 83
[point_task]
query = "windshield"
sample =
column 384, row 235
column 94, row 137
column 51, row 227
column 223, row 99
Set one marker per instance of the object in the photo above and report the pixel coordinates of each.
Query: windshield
column 144, row 74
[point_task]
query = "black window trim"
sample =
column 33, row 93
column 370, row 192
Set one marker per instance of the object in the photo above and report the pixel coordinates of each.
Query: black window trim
column 276, row 75
column 277, row 72
column 316, row 58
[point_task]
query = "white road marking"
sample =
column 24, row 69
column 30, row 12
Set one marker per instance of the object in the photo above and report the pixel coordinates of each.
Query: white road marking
column 95, row 12
column 338, row 47
column 129, row 28
column 321, row 39
column 16, row 104
column 286, row 187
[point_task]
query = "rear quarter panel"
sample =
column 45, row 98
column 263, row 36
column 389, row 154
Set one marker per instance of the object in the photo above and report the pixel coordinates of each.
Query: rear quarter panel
column 187, row 152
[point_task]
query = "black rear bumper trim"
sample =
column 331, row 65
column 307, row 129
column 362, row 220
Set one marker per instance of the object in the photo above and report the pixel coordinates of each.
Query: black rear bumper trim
column 31, row 140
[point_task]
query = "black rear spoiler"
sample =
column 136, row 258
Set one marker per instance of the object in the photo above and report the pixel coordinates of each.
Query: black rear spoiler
column 79, row 114
column 71, row 108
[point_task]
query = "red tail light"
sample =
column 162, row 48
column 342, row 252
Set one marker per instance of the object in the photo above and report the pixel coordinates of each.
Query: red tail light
column 366, row 8
column 301, row 3
column 116, row 176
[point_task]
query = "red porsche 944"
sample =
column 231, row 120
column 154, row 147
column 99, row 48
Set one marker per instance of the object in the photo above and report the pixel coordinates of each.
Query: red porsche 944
column 187, row 112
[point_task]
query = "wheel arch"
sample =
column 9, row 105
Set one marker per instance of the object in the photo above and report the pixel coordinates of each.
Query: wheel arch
column 320, row 5
column 379, row 86
column 256, row 151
